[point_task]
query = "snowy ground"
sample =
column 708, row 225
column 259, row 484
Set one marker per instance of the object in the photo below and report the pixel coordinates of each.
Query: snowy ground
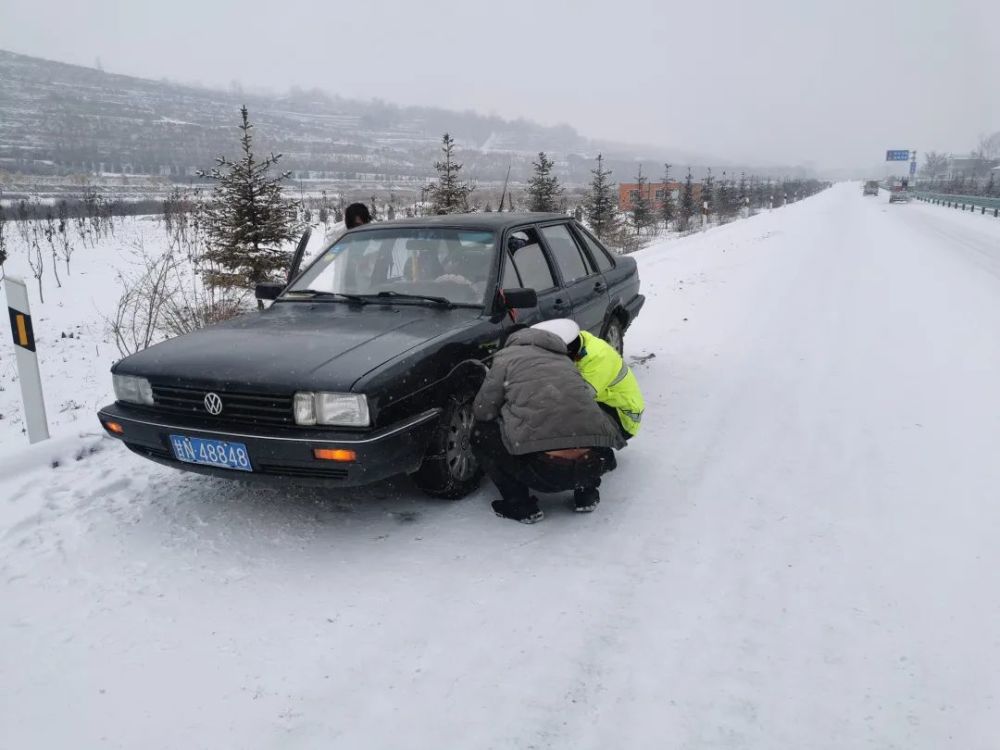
column 798, row 552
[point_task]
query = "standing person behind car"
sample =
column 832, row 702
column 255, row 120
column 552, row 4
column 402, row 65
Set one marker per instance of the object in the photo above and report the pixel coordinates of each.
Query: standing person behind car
column 356, row 215
column 539, row 427
column 616, row 389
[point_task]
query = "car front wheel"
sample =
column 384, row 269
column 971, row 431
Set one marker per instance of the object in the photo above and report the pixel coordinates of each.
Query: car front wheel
column 450, row 469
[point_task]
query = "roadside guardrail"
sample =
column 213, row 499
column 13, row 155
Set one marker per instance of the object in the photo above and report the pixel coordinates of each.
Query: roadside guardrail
column 962, row 202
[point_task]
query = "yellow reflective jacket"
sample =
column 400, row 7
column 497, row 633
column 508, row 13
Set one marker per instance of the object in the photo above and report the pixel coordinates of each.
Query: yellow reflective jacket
column 613, row 382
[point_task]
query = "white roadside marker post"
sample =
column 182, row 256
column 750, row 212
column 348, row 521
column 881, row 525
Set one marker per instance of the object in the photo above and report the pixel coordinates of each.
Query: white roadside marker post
column 27, row 359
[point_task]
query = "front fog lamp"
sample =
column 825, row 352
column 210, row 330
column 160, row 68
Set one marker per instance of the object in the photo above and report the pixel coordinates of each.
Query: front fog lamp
column 132, row 390
column 332, row 409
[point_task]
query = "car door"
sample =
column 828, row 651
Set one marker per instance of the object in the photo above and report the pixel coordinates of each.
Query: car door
column 526, row 265
column 614, row 276
column 579, row 278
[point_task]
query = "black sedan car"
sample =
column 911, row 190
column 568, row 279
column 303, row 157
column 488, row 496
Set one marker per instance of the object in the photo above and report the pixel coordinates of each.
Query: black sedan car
column 366, row 363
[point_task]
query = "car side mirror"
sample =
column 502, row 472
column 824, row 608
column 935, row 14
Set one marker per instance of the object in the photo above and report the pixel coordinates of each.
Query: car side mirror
column 268, row 289
column 519, row 298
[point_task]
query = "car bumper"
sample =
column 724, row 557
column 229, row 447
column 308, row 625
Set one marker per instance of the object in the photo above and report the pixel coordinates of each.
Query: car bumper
column 286, row 457
column 633, row 306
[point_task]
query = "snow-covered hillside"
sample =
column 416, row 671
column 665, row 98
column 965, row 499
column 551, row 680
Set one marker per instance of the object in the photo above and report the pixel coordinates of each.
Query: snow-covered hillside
column 799, row 551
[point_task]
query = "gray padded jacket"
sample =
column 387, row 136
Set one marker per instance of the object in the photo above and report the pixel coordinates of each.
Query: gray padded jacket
column 541, row 400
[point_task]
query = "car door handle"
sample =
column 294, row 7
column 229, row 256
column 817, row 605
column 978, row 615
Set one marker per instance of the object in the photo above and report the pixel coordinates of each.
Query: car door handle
column 600, row 286
column 559, row 304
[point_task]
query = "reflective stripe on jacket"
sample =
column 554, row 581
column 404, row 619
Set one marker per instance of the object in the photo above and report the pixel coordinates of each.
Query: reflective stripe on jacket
column 613, row 381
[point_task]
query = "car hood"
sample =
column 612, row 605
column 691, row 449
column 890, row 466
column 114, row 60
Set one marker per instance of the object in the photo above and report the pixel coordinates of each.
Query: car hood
column 295, row 346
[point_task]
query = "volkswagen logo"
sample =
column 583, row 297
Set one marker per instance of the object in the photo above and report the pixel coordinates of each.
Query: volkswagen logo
column 213, row 404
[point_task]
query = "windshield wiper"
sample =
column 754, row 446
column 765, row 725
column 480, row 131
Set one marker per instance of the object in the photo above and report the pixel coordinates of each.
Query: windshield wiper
column 331, row 295
column 443, row 301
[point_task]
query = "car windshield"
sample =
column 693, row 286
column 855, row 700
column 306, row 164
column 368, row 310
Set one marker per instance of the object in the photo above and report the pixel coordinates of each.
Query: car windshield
column 450, row 264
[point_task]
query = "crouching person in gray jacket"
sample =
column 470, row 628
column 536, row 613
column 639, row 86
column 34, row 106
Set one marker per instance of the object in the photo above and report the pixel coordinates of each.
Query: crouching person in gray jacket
column 539, row 428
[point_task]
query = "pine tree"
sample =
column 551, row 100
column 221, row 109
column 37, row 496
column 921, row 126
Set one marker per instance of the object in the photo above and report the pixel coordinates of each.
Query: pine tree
column 641, row 212
column 248, row 219
column 543, row 187
column 449, row 195
column 687, row 203
column 756, row 194
column 742, row 197
column 600, row 203
column 721, row 199
column 667, row 205
column 707, row 194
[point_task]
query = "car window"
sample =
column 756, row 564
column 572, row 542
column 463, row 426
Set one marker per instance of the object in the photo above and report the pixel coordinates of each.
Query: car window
column 510, row 278
column 567, row 254
column 450, row 263
column 598, row 253
column 529, row 258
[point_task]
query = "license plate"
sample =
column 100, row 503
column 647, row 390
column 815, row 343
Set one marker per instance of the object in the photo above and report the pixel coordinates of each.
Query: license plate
column 219, row 453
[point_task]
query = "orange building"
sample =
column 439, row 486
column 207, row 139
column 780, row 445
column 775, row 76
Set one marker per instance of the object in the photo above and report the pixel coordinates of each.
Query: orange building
column 655, row 192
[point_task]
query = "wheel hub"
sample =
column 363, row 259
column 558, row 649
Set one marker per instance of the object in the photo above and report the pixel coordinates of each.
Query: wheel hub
column 458, row 452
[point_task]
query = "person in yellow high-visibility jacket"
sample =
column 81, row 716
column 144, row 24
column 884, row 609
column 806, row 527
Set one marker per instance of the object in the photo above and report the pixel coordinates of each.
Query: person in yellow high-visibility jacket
column 616, row 389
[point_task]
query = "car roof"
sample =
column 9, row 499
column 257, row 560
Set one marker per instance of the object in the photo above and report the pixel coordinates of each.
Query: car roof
column 494, row 221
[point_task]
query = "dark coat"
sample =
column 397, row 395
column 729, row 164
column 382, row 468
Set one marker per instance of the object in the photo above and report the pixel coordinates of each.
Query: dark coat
column 542, row 402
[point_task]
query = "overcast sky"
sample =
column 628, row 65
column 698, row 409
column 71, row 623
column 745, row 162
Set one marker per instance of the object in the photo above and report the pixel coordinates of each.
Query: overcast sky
column 782, row 81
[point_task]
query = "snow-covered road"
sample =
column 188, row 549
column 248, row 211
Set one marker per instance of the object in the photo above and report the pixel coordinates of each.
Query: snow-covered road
column 800, row 551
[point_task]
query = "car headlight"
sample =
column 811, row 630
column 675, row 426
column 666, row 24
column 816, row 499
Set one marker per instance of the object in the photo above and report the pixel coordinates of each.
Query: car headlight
column 133, row 390
column 337, row 409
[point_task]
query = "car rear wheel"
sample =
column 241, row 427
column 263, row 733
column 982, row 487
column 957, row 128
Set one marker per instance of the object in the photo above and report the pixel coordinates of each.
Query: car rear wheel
column 450, row 469
column 614, row 334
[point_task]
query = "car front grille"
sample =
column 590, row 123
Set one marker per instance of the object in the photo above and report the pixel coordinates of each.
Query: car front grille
column 241, row 407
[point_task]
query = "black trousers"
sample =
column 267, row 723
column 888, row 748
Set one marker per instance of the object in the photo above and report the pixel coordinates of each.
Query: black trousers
column 516, row 476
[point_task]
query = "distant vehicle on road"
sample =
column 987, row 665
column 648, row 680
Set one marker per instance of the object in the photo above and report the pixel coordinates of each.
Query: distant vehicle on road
column 898, row 192
column 870, row 188
column 366, row 364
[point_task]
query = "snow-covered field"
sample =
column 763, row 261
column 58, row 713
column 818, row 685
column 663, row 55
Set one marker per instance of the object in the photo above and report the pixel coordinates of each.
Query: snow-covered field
column 800, row 550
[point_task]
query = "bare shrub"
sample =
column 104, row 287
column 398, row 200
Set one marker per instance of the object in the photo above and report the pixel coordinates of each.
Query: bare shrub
column 165, row 297
column 195, row 305
column 3, row 241
column 63, row 229
column 35, row 260
column 136, row 319
column 49, row 230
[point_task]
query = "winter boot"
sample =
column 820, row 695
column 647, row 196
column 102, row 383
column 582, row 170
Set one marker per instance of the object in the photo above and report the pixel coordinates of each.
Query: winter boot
column 528, row 512
column 586, row 499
